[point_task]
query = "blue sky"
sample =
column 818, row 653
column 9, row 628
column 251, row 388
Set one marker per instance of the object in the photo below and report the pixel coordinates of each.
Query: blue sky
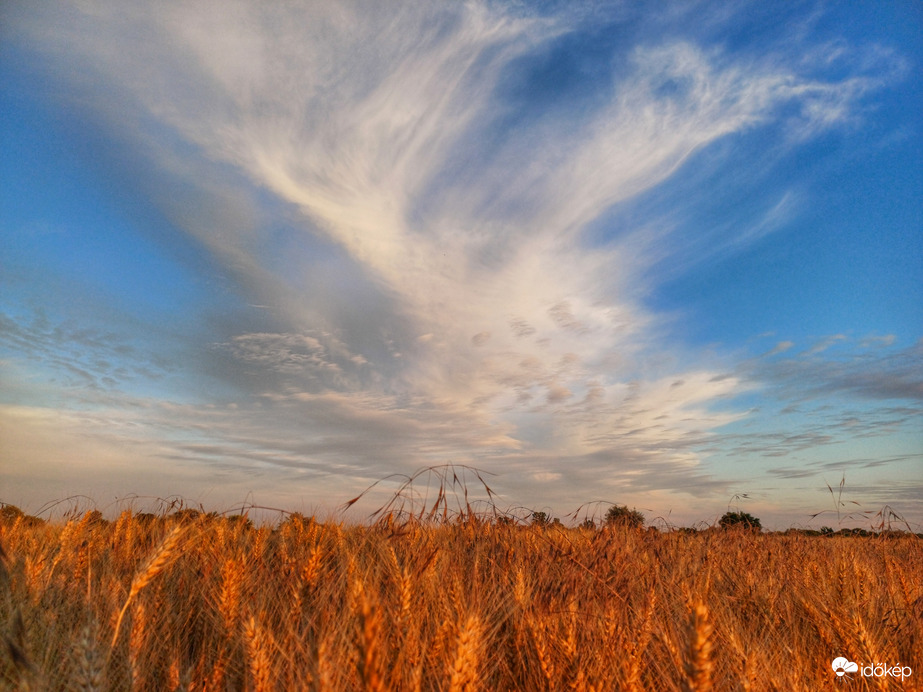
column 659, row 254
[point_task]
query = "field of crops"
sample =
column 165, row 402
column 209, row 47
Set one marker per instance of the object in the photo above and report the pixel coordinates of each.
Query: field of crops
column 203, row 602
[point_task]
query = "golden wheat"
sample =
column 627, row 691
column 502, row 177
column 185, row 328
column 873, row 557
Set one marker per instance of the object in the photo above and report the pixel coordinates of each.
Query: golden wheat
column 232, row 581
column 258, row 655
column 371, row 660
column 464, row 672
column 154, row 566
column 462, row 606
column 89, row 675
column 698, row 661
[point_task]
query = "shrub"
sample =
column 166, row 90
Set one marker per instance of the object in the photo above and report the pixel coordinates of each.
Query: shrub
column 742, row 520
column 620, row 515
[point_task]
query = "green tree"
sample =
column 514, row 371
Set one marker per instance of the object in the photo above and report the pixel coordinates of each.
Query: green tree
column 620, row 515
column 540, row 518
column 742, row 520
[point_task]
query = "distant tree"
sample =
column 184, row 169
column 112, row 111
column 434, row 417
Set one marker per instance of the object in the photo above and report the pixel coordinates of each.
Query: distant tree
column 826, row 531
column 298, row 520
column 620, row 515
column 741, row 520
column 186, row 515
column 240, row 519
column 10, row 513
column 854, row 532
column 540, row 518
column 94, row 517
column 588, row 524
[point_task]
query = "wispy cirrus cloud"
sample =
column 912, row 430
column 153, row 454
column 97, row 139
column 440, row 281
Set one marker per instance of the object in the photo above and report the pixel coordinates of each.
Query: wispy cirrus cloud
column 866, row 369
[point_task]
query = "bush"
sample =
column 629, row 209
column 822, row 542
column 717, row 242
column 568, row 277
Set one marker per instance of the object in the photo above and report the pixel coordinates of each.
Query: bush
column 620, row 515
column 741, row 520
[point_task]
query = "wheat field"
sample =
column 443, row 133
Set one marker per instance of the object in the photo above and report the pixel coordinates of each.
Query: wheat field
column 204, row 602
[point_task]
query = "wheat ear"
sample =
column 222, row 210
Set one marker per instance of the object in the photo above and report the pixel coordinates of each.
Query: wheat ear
column 154, row 566
column 465, row 670
column 89, row 662
column 258, row 655
column 371, row 654
column 232, row 578
column 698, row 661
column 540, row 638
column 633, row 682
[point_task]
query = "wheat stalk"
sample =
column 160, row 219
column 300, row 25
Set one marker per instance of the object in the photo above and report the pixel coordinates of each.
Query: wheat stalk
column 258, row 655
column 698, row 661
column 89, row 676
column 633, row 682
column 137, row 637
column 15, row 645
column 232, row 577
column 312, row 569
column 464, row 673
column 215, row 679
column 406, row 597
column 370, row 661
column 539, row 637
column 154, row 566
column 325, row 671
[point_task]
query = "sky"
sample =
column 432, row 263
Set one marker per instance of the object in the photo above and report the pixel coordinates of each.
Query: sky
column 661, row 254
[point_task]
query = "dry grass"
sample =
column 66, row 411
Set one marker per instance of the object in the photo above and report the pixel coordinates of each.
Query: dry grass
column 210, row 603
